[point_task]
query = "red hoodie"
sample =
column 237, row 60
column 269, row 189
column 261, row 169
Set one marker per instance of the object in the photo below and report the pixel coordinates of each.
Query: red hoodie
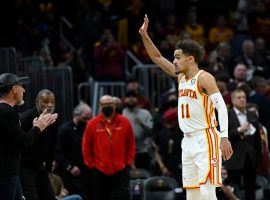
column 108, row 154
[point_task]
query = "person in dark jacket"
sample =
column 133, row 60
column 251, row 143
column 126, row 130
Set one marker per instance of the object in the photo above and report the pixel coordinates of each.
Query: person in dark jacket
column 13, row 138
column 69, row 161
column 245, row 138
column 37, row 158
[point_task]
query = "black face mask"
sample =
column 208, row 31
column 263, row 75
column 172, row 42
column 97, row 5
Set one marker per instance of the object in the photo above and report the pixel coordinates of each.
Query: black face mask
column 131, row 105
column 172, row 103
column 82, row 124
column 119, row 109
column 107, row 111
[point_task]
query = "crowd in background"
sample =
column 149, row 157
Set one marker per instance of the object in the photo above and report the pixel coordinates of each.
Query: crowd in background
column 236, row 38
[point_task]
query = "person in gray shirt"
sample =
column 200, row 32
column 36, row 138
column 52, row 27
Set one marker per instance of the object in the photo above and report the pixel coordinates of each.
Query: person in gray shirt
column 142, row 124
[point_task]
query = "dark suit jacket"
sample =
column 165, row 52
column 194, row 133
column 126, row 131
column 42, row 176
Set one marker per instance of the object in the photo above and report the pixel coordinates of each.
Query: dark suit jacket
column 249, row 146
column 43, row 148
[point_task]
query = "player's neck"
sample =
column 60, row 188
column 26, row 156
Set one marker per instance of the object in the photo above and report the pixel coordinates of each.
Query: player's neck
column 192, row 72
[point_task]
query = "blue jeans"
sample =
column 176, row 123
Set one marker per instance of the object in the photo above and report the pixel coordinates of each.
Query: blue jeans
column 10, row 188
column 72, row 197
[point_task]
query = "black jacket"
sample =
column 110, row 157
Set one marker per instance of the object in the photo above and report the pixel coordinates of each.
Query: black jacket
column 69, row 145
column 12, row 139
column 248, row 146
column 41, row 150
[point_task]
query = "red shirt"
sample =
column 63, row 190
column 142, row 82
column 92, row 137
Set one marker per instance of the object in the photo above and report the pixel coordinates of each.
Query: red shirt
column 108, row 146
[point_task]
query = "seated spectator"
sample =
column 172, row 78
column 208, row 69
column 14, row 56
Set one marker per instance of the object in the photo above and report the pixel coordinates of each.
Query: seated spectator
column 222, row 80
column 139, row 51
column 171, row 27
column 240, row 76
column 135, row 86
column 168, row 100
column 61, row 193
column 194, row 29
column 256, row 63
column 220, row 59
column 220, row 32
column 229, row 190
column 263, row 168
column 260, row 22
column 168, row 142
column 109, row 58
column 254, row 96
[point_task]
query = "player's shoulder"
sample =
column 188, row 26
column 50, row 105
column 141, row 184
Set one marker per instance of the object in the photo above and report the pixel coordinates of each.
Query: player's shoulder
column 206, row 76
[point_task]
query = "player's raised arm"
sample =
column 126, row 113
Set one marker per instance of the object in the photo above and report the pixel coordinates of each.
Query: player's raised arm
column 153, row 52
column 208, row 83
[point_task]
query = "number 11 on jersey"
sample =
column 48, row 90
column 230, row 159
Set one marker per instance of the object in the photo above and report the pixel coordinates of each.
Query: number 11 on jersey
column 185, row 111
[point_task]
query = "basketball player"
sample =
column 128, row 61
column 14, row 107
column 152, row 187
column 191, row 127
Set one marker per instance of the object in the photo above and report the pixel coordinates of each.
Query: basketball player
column 198, row 93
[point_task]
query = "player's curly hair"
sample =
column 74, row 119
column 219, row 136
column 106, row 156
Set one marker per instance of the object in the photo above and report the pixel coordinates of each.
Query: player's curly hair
column 191, row 48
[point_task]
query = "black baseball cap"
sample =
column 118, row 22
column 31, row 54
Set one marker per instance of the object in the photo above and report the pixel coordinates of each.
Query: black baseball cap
column 8, row 80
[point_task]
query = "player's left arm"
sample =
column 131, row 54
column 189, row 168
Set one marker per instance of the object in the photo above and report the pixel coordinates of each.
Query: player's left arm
column 208, row 84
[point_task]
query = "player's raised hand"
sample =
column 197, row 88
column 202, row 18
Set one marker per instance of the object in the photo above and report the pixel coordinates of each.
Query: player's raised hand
column 144, row 27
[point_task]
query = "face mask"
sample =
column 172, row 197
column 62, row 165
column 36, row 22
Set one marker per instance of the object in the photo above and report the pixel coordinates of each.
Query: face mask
column 172, row 103
column 107, row 111
column 131, row 105
column 119, row 109
column 82, row 124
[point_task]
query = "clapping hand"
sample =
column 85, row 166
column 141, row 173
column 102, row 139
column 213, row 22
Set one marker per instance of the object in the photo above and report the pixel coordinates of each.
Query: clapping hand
column 45, row 119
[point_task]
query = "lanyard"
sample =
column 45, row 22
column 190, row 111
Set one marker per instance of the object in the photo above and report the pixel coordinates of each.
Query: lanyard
column 108, row 131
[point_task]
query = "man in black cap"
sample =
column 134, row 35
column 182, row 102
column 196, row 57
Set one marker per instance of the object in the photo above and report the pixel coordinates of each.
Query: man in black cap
column 12, row 137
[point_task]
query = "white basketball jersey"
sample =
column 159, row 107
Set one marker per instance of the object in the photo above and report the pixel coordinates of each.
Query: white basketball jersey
column 195, row 109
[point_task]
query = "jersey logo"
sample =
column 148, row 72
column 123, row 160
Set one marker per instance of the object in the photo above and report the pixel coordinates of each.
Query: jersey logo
column 193, row 81
column 214, row 162
column 187, row 93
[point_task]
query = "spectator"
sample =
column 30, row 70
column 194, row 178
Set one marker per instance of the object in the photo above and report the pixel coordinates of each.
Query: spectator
column 108, row 149
column 119, row 105
column 171, row 27
column 222, row 80
column 109, row 58
column 240, row 76
column 254, row 96
column 229, row 190
column 256, row 64
column 220, row 32
column 69, row 160
column 168, row 141
column 13, row 138
column 245, row 138
column 168, row 100
column 194, row 29
column 60, row 192
column 263, row 168
column 135, row 86
column 142, row 124
column 259, row 20
column 221, row 62
column 37, row 158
